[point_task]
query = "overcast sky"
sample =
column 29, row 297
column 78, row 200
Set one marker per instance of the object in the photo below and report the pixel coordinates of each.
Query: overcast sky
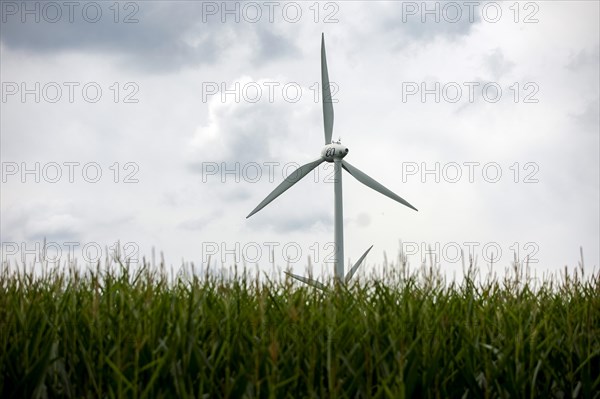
column 163, row 124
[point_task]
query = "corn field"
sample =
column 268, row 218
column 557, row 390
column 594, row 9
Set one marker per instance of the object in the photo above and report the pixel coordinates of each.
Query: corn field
column 115, row 331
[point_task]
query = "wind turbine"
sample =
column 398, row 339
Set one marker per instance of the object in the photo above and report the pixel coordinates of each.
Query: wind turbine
column 334, row 152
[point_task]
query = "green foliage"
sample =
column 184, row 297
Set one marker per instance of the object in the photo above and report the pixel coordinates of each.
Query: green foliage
column 110, row 332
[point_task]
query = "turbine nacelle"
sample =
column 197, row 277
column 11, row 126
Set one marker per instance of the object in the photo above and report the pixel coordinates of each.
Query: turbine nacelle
column 333, row 151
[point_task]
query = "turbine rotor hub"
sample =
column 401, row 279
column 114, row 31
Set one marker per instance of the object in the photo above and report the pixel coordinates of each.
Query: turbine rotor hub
column 334, row 151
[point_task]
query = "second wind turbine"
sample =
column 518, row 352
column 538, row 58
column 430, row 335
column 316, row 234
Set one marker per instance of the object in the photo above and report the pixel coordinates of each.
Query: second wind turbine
column 334, row 152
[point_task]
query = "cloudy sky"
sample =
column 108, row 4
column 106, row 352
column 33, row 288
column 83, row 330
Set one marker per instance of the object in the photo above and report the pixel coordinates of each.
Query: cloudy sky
column 163, row 124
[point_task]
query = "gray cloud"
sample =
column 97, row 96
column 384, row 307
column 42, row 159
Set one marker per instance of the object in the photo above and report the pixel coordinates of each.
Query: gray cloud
column 363, row 219
column 36, row 221
column 171, row 51
column 164, row 38
column 237, row 134
column 585, row 57
column 272, row 45
column 201, row 222
column 589, row 118
column 288, row 222
column 404, row 28
column 498, row 64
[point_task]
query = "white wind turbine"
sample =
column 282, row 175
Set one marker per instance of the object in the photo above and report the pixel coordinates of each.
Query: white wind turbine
column 334, row 152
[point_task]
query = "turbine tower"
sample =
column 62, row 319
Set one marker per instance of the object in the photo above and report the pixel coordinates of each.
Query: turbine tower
column 334, row 152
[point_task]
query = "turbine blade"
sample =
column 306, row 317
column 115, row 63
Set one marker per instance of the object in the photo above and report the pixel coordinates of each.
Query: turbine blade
column 326, row 98
column 308, row 281
column 356, row 265
column 292, row 179
column 370, row 182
